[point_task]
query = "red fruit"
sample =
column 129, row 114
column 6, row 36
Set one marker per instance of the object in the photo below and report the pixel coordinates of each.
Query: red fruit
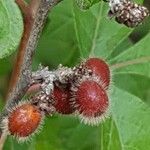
column 24, row 120
column 100, row 68
column 91, row 102
column 61, row 99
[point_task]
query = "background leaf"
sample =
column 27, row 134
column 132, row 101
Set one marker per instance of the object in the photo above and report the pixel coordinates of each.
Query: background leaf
column 136, row 59
column 11, row 27
column 97, row 35
column 132, row 117
column 85, row 4
column 58, row 44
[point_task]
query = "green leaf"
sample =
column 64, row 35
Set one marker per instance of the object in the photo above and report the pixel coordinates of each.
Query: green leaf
column 133, row 65
column 109, row 136
column 135, row 60
column 132, row 118
column 5, row 66
column 85, row 4
column 123, row 46
column 11, row 27
column 97, row 35
column 136, row 83
column 58, row 44
column 139, row 1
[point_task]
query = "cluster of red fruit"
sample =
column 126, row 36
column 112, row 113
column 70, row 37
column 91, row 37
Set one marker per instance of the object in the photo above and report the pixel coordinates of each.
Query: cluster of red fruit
column 85, row 94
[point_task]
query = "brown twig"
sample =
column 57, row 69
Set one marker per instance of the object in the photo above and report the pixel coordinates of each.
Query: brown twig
column 33, row 25
column 23, row 5
column 35, row 15
column 28, row 23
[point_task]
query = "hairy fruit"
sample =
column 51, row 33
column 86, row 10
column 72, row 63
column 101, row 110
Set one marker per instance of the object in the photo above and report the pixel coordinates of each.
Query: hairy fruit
column 24, row 120
column 61, row 100
column 100, row 68
column 91, row 102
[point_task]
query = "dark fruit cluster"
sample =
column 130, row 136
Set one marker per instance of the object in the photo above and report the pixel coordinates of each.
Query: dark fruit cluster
column 82, row 91
column 86, row 92
column 90, row 91
column 127, row 12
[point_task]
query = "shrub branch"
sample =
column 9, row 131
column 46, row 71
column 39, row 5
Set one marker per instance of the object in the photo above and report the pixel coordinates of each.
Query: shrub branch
column 34, row 15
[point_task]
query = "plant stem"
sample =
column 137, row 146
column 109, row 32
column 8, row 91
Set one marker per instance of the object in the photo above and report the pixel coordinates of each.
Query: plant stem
column 33, row 26
column 35, row 15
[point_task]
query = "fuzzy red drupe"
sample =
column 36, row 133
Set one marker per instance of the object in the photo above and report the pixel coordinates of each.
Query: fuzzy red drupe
column 100, row 68
column 61, row 99
column 91, row 102
column 24, row 120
